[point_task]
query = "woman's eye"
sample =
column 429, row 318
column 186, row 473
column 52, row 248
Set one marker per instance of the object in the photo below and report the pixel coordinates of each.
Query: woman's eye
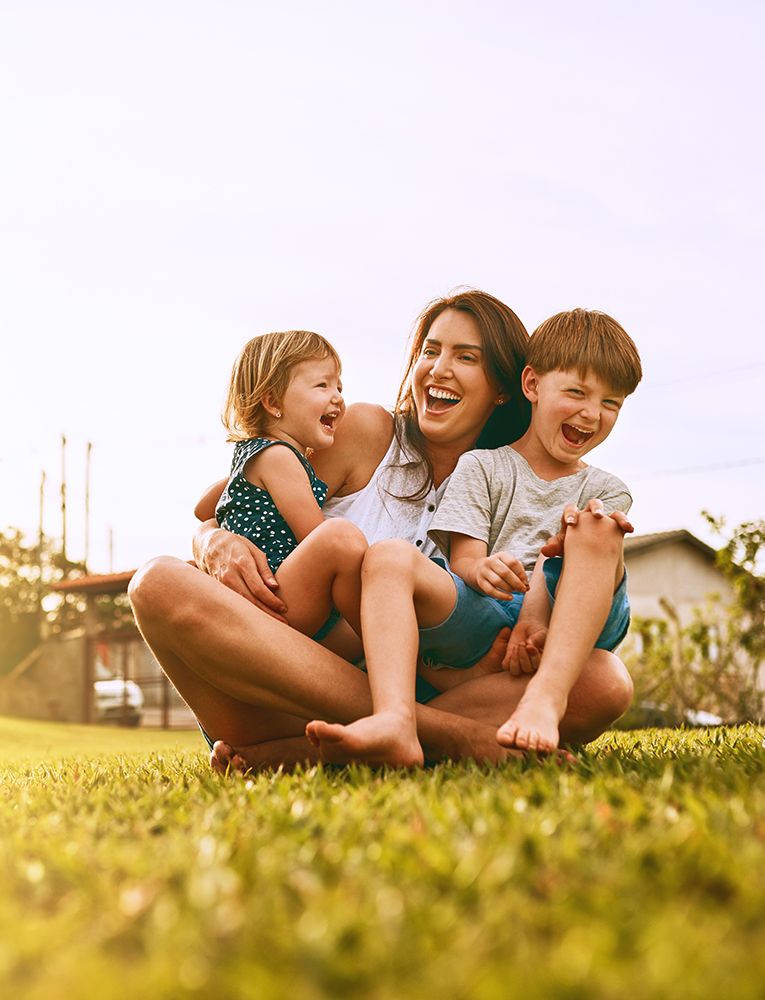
column 429, row 352
column 467, row 357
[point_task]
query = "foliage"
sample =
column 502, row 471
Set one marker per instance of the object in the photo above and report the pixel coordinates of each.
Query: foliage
column 27, row 571
column 639, row 872
column 714, row 663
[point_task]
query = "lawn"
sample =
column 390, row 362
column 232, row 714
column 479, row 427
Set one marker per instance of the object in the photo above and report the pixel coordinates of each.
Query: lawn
column 639, row 872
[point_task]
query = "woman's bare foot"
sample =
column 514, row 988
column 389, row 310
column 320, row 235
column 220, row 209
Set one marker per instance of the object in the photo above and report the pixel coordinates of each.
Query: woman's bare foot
column 532, row 726
column 286, row 753
column 377, row 739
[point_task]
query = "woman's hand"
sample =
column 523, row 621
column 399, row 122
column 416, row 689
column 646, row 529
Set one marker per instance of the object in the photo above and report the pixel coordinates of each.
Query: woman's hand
column 238, row 564
column 524, row 648
column 554, row 545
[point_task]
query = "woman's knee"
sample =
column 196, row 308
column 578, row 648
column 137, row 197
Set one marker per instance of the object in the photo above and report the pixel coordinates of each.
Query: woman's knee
column 153, row 588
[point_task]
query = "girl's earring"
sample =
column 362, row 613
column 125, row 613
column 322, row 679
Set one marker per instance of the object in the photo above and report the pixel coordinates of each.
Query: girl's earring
column 278, row 414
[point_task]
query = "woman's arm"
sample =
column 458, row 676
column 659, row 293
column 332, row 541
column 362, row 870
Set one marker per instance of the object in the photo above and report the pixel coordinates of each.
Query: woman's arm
column 205, row 508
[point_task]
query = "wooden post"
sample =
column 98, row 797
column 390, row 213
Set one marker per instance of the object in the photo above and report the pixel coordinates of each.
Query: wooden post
column 63, row 500
column 87, row 504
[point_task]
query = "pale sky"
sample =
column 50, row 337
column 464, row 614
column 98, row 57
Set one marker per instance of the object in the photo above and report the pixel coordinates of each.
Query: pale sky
column 179, row 176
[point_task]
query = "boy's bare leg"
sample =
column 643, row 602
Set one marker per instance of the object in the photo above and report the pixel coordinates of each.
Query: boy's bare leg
column 593, row 568
column 400, row 587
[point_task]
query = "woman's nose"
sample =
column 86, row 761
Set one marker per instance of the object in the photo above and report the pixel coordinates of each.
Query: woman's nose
column 441, row 367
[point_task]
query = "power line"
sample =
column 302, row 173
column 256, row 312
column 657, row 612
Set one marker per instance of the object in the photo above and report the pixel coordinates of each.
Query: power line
column 741, row 463
column 704, row 375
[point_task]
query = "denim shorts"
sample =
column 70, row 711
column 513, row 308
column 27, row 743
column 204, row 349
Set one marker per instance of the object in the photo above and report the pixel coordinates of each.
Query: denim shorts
column 467, row 634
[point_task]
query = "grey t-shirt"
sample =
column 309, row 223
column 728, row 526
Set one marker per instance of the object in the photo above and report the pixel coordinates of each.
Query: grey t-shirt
column 495, row 496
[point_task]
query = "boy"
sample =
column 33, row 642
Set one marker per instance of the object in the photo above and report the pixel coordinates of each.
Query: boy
column 498, row 510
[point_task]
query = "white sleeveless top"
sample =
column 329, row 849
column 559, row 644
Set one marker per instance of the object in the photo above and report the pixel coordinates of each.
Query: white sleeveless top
column 380, row 515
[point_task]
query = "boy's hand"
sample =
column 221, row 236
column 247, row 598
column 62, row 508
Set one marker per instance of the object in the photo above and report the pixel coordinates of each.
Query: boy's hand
column 554, row 545
column 524, row 648
column 499, row 575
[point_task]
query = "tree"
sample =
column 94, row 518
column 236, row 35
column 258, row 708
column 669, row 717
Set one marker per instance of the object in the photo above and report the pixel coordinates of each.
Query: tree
column 715, row 662
column 27, row 606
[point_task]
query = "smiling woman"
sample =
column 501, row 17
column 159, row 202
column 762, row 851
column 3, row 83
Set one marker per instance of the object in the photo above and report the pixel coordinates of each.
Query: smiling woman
column 252, row 681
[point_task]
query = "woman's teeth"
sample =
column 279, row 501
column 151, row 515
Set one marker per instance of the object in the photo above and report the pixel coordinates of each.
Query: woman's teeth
column 442, row 396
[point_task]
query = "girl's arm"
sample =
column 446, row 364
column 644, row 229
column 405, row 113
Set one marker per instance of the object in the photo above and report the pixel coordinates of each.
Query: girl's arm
column 498, row 575
column 281, row 472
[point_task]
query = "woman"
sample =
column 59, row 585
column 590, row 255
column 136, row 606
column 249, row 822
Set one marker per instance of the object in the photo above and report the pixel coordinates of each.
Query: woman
column 253, row 682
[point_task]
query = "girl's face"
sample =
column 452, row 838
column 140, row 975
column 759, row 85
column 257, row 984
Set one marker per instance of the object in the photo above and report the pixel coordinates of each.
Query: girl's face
column 312, row 405
column 453, row 395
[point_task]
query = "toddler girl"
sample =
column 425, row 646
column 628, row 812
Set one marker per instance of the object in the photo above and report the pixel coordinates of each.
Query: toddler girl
column 285, row 402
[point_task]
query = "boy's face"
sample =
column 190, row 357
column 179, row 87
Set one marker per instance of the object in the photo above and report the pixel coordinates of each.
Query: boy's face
column 572, row 414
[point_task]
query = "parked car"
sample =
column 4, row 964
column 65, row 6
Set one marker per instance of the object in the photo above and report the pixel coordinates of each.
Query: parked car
column 650, row 715
column 116, row 700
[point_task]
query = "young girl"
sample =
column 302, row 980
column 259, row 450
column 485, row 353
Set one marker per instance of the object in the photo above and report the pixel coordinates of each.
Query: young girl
column 285, row 402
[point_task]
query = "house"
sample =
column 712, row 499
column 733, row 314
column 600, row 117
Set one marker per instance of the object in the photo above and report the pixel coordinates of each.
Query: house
column 62, row 679
column 674, row 566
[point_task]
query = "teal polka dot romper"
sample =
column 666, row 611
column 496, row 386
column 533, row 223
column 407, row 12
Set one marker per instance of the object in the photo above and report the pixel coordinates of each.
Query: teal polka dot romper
column 248, row 510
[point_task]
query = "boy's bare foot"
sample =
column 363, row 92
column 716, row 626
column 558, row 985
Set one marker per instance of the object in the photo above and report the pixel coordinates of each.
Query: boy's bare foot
column 268, row 756
column 532, row 726
column 377, row 739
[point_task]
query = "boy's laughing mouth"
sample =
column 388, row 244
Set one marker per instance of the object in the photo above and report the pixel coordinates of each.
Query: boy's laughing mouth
column 438, row 399
column 576, row 435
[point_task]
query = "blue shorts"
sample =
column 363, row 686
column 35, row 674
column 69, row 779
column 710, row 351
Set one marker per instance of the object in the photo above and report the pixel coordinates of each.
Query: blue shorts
column 463, row 638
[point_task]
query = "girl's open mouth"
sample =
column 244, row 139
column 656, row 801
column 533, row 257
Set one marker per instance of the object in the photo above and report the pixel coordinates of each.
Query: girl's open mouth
column 439, row 400
column 575, row 435
column 328, row 420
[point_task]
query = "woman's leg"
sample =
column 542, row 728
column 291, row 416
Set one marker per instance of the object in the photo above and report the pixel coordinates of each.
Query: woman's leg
column 400, row 588
column 249, row 678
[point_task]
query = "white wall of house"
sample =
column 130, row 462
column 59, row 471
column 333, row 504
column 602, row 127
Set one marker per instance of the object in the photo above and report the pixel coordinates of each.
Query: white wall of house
column 677, row 571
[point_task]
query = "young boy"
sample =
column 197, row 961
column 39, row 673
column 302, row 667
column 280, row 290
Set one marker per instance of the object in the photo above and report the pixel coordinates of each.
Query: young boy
column 499, row 509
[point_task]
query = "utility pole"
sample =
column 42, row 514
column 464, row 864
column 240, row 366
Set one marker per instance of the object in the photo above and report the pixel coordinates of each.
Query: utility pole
column 111, row 549
column 87, row 504
column 40, row 543
column 63, row 500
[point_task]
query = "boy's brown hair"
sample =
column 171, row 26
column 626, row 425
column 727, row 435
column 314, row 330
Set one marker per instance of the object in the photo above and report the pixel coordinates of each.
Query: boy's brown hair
column 585, row 340
column 263, row 369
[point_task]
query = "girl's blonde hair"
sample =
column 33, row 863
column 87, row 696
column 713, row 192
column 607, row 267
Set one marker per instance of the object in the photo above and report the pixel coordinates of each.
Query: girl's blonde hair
column 264, row 368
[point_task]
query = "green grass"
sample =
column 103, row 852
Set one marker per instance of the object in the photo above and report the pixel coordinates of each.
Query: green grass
column 639, row 873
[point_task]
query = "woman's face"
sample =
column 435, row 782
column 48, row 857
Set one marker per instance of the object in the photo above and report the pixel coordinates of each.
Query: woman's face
column 453, row 395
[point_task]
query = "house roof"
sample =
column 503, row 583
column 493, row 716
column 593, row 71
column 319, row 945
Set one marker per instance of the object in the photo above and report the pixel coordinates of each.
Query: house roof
column 643, row 543
column 101, row 583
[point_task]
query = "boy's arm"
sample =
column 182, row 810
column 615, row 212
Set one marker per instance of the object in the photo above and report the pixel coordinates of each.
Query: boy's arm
column 497, row 575
column 279, row 471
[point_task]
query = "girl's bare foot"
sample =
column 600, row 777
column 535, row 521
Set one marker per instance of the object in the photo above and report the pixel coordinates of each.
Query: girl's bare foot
column 490, row 663
column 377, row 739
column 532, row 726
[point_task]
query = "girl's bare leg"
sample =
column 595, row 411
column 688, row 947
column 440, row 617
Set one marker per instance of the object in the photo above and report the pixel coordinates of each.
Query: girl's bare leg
column 593, row 568
column 323, row 572
column 400, row 587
